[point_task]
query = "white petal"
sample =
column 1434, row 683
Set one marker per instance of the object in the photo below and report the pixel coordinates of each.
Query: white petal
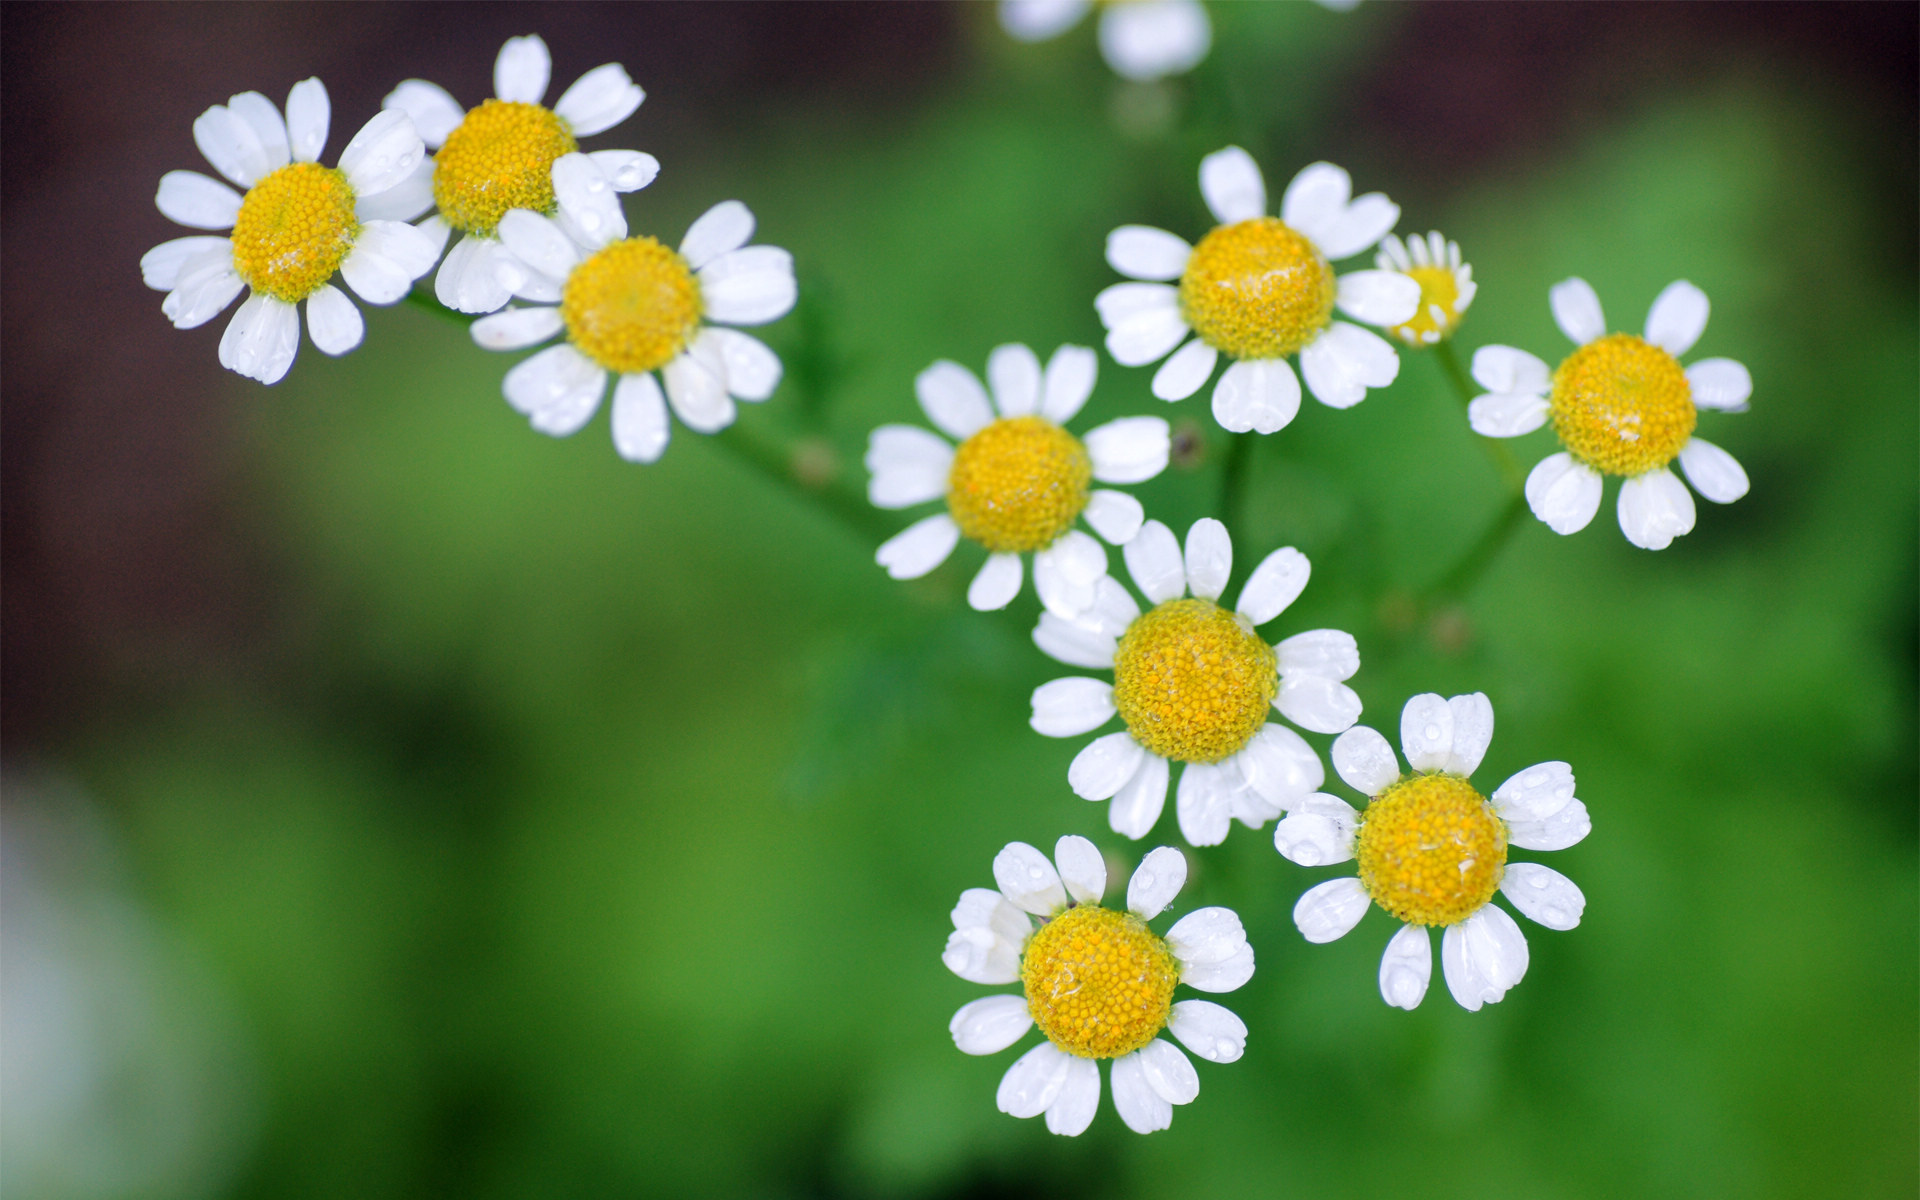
column 1138, row 804
column 1507, row 414
column 640, row 428
column 1328, row 911
column 404, row 201
column 1564, row 828
column 1678, row 317
column 630, row 170
column 1122, row 302
column 1082, row 869
column 1720, row 383
column 1378, row 297
column 1104, row 765
column 1316, row 198
column 435, row 113
column 990, row 1024
column 1069, row 381
column 1257, row 394
column 1576, row 309
column 587, row 199
column 1143, row 252
column 1209, row 558
column 1407, row 967
column 197, row 201
column 261, row 113
column 1231, row 183
column 539, row 243
column 1032, row 1082
column 1276, row 583
column 1329, row 653
column 1426, row 732
column 1472, row 732
column 1156, row 881
column 988, row 935
column 1026, row 877
column 1079, row 1098
column 386, row 258
column 1535, row 793
column 987, row 909
column 160, row 266
column 1212, row 948
column 385, row 151
column 1713, row 472
column 1168, row 1072
column 309, row 118
column 1070, row 642
column 599, row 100
column 996, row 583
column 1064, row 573
column 1038, row 20
column 1129, row 450
column 1185, row 370
column 1544, row 895
column 1154, row 561
column 516, row 328
column 909, row 466
column 1318, row 832
column 1279, row 766
column 722, row 229
column 1364, row 760
column 1072, row 706
column 1013, row 371
column 698, row 396
column 1316, row 703
column 1146, row 336
column 232, row 145
column 1154, row 38
column 557, row 389
column 206, row 284
column 953, row 399
column 522, row 70
column 467, row 281
column 1208, row 1030
column 333, row 322
column 262, row 338
column 1358, row 226
column 1483, row 957
column 750, row 286
column 1204, row 802
column 1143, row 1109
column 747, row 367
column 1563, row 493
column 1655, row 508
column 1346, row 360
column 1115, row 516
column 1505, row 369
column 1113, row 610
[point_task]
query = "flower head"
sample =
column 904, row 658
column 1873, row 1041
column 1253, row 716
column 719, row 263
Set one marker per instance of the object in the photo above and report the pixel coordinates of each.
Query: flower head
column 633, row 308
column 500, row 156
column 1141, row 40
column 1018, row 481
column 1258, row 290
column 296, row 226
column 1432, row 850
column 1620, row 405
column 1446, row 285
column 1097, row 981
column 1193, row 682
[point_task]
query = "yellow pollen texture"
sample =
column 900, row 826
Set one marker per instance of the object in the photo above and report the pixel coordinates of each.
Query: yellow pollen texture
column 1192, row 681
column 1256, row 289
column 499, row 158
column 294, row 230
column 631, row 307
column 1018, row 484
column 1622, row 406
column 1438, row 290
column 1098, row 982
column 1431, row 850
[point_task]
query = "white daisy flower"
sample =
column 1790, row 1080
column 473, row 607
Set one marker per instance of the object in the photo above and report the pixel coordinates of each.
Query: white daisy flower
column 631, row 307
column 499, row 156
column 1192, row 682
column 1018, row 481
column 1097, row 981
column 297, row 223
column 1621, row 405
column 1432, row 851
column 1258, row 289
column 1142, row 40
column 1446, row 285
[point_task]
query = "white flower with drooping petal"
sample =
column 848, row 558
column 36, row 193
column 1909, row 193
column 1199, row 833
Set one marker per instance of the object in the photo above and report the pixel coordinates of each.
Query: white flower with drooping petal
column 1068, row 966
column 1142, row 40
column 297, row 224
column 1193, row 683
column 499, row 157
column 634, row 309
column 1432, row 851
column 1446, row 285
column 1620, row 405
column 1018, row 481
column 1257, row 290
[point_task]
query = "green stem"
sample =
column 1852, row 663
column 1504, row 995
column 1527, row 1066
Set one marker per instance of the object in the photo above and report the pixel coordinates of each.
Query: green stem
column 1503, row 460
column 1460, row 581
column 778, row 464
column 1233, row 474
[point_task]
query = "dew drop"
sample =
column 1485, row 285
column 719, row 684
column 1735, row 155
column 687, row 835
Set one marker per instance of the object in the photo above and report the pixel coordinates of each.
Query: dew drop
column 1433, row 733
column 1146, row 879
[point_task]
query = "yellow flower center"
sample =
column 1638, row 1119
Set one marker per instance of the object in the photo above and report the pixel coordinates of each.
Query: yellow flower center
column 1193, row 681
column 631, row 307
column 1098, row 982
column 1432, row 850
column 1622, row 406
column 1437, row 316
column 294, row 230
column 1256, row 289
column 1018, row 484
column 500, row 157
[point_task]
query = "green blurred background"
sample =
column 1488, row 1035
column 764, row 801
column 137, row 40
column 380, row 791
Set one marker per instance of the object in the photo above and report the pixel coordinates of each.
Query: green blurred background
column 402, row 803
